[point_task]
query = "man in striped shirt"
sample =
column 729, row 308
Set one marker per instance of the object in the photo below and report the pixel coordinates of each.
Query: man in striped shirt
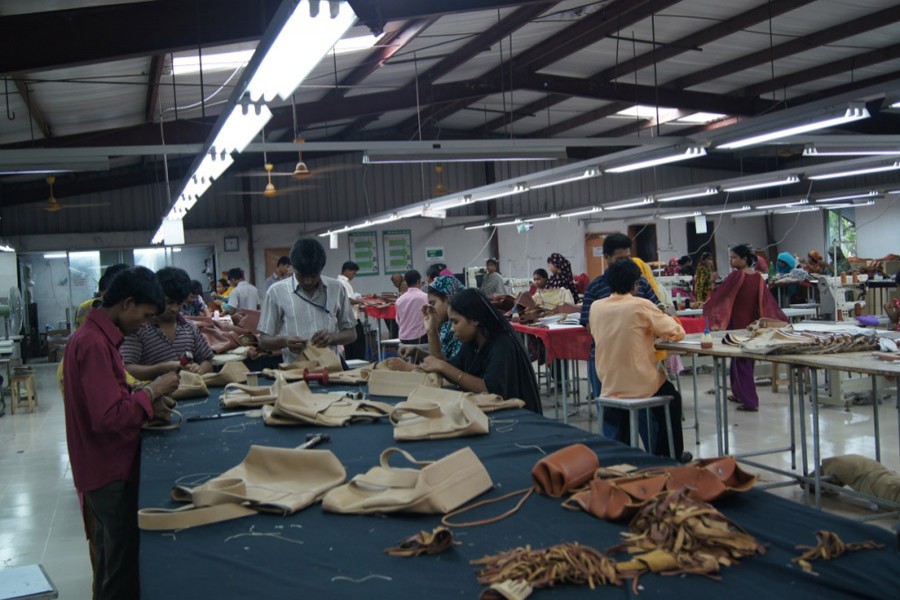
column 159, row 344
column 308, row 308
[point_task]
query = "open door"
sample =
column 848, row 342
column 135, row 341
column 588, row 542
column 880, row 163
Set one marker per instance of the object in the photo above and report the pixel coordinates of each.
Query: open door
column 593, row 253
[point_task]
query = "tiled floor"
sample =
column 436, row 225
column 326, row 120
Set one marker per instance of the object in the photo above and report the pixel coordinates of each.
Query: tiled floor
column 40, row 520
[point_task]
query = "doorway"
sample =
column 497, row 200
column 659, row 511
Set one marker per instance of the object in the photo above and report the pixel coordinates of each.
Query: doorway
column 643, row 244
column 698, row 243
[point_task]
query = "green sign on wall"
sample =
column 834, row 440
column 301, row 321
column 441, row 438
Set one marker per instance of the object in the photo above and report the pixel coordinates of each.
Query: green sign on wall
column 397, row 251
column 364, row 251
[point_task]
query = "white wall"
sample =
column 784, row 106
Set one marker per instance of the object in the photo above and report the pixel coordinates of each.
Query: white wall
column 799, row 233
column 878, row 228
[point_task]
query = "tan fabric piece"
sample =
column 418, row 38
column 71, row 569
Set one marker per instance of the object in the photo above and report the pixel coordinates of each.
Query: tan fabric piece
column 486, row 402
column 190, row 385
column 315, row 359
column 863, row 475
column 297, row 405
column 429, row 420
column 233, row 372
column 437, row 488
column 383, row 382
column 277, row 480
column 239, row 395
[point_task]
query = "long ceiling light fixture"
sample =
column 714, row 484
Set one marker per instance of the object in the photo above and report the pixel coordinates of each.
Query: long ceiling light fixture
column 582, row 211
column 854, row 112
column 687, row 215
column 684, row 195
column 802, row 202
column 294, row 43
column 454, row 154
column 588, row 174
column 666, row 157
column 629, row 204
column 847, row 197
column 851, row 150
column 793, row 211
column 725, row 211
column 865, row 171
column 762, row 184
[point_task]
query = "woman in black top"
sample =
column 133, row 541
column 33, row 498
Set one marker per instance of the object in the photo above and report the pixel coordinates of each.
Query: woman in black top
column 492, row 358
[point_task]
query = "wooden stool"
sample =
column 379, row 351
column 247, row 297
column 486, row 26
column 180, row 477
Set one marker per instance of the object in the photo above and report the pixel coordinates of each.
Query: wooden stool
column 633, row 405
column 24, row 382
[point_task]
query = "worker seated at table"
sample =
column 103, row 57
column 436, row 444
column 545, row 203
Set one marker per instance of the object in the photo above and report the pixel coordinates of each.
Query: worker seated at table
column 166, row 341
column 410, row 322
column 623, row 327
column 491, row 358
column 442, row 342
column 307, row 308
column 549, row 298
column 892, row 308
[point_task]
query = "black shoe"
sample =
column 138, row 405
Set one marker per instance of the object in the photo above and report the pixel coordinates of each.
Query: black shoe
column 686, row 457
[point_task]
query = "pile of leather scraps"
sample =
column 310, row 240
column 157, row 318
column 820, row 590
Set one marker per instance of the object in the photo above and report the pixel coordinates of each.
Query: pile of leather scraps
column 787, row 340
column 439, row 540
column 548, row 567
column 829, row 546
column 673, row 534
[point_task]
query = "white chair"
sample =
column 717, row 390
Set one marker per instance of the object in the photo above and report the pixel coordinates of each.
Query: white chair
column 633, row 405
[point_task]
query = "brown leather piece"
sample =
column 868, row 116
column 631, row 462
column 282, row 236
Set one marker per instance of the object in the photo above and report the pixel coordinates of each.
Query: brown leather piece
column 565, row 470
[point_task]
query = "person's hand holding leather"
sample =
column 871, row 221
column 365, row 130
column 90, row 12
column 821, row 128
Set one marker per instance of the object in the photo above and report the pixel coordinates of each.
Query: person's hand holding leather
column 322, row 339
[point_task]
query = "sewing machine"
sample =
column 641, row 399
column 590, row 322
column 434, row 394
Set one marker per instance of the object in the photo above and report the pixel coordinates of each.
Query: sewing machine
column 841, row 300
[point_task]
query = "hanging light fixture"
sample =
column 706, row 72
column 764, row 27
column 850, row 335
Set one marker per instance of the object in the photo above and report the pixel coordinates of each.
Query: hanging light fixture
column 854, row 112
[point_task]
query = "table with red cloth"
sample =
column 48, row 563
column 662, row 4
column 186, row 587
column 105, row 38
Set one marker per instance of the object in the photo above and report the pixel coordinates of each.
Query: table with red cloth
column 381, row 311
column 561, row 342
column 692, row 324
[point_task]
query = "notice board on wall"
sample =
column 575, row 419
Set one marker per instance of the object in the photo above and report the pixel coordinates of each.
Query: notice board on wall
column 364, row 251
column 397, row 251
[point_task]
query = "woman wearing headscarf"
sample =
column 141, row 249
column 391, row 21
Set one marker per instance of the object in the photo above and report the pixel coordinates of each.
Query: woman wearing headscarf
column 741, row 299
column 816, row 264
column 491, row 358
column 442, row 342
column 561, row 277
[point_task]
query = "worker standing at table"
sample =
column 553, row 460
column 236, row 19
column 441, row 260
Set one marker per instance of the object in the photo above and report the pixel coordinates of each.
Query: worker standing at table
column 491, row 358
column 244, row 295
column 357, row 349
column 307, row 308
column 492, row 283
column 741, row 299
column 624, row 327
column 410, row 320
column 103, row 426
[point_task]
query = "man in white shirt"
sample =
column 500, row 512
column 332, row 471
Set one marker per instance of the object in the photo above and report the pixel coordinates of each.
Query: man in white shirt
column 308, row 308
column 282, row 270
column 244, row 295
column 356, row 350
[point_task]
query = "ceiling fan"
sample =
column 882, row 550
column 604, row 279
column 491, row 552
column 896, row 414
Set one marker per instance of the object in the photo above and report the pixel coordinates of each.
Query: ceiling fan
column 53, row 205
column 270, row 190
column 301, row 171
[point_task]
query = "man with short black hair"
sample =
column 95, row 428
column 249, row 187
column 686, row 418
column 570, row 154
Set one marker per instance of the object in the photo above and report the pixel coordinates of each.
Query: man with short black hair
column 282, row 270
column 103, row 426
column 194, row 306
column 244, row 295
column 308, row 308
column 492, row 283
column 159, row 344
column 624, row 328
column 357, row 349
column 410, row 319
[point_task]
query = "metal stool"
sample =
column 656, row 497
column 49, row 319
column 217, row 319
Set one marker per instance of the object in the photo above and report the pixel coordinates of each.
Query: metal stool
column 23, row 382
column 633, row 405
column 384, row 345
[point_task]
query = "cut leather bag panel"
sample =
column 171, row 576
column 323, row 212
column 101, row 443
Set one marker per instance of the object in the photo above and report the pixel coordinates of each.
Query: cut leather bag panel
column 297, row 405
column 436, row 488
column 277, row 480
column 614, row 499
column 190, row 385
column 323, row 358
column 429, row 420
column 239, row 395
column 233, row 372
column 383, row 382
column 486, row 402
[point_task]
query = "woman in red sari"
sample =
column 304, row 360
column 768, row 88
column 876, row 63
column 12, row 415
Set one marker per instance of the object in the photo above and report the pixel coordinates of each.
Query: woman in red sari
column 741, row 299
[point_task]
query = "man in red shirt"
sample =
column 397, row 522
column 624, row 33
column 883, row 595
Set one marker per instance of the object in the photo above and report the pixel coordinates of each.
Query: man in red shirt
column 103, row 425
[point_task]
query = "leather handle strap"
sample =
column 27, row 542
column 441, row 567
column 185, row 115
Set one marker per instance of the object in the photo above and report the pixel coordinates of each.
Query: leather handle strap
column 150, row 426
column 430, row 410
column 388, row 452
column 526, row 493
column 161, row 519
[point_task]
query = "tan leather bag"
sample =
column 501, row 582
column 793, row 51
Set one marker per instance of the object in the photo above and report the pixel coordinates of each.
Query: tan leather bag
column 486, row 402
column 297, row 405
column 315, row 359
column 436, row 488
column 239, row 395
column 614, row 499
column 277, row 480
column 428, row 420
column 190, row 385
column 383, row 382
column 233, row 372
column 565, row 470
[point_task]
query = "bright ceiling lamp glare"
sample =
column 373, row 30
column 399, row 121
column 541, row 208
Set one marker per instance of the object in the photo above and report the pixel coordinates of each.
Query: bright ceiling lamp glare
column 879, row 169
column 583, row 211
column 355, row 44
column 301, row 44
column 762, row 184
column 854, row 112
column 219, row 61
column 241, row 126
column 588, row 173
column 629, row 204
column 672, row 197
column 725, row 211
column 852, row 150
column 670, row 157
column 868, row 194
column 801, row 202
column 687, row 215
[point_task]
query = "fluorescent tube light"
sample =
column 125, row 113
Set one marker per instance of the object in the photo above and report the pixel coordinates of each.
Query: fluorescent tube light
column 851, row 151
column 687, row 215
column 484, row 225
column 750, row 213
column 516, row 189
column 700, row 118
column 219, row 61
column 446, row 155
column 725, row 211
column 584, row 211
column 880, row 169
column 685, row 195
column 854, row 112
column 847, row 205
column 6, row 248
column 589, row 173
column 802, row 202
column 629, row 204
column 791, row 211
column 848, row 197
column 688, row 153
column 52, row 255
column 241, row 126
column 300, row 45
column 762, row 184
column 895, row 104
